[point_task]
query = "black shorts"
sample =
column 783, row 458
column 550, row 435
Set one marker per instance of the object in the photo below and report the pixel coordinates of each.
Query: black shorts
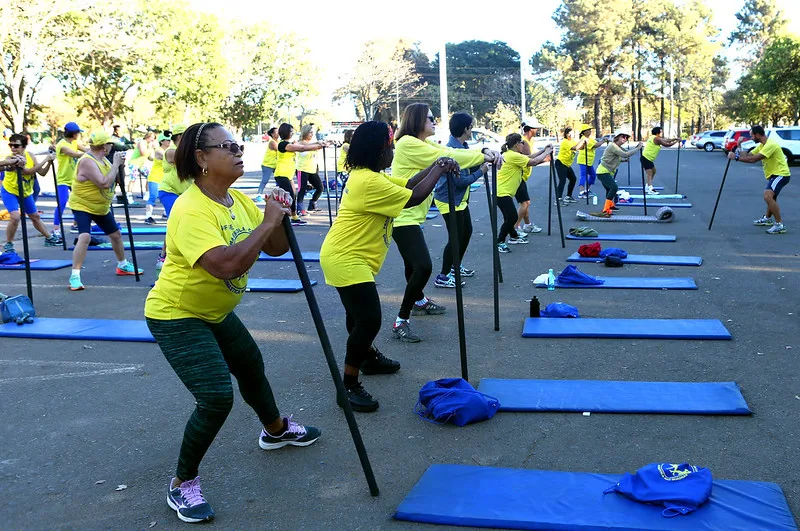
column 776, row 183
column 107, row 223
column 647, row 164
column 522, row 193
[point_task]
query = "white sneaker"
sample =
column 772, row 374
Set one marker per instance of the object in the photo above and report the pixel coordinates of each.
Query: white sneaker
column 651, row 191
column 531, row 228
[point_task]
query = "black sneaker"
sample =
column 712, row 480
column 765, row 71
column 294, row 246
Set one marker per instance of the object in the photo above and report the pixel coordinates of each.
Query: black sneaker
column 150, row 221
column 164, row 216
column 187, row 500
column 614, row 208
column 380, row 364
column 360, row 400
column 294, row 434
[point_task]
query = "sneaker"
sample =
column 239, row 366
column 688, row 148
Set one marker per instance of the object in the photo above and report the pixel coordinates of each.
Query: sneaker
column 517, row 241
column 302, row 213
column 651, row 191
column 314, row 208
column 778, row 228
column 429, row 308
column 521, row 234
column 582, row 194
column 614, row 208
column 503, row 248
column 464, row 272
column 297, row 222
column 764, row 221
column 360, row 400
column 127, row 269
column 52, row 241
column 403, row 332
column 164, row 216
column 570, row 199
column 259, row 200
column 445, row 281
column 74, row 229
column 295, row 435
column 591, row 194
column 531, row 228
column 8, row 247
column 187, row 500
column 150, row 221
column 380, row 364
column 75, row 283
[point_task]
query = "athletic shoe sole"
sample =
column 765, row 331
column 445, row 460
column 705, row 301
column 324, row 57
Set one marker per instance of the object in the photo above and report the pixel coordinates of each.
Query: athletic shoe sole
column 763, row 224
column 185, row 518
column 275, row 446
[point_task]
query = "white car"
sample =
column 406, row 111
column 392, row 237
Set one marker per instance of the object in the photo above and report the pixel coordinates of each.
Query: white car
column 481, row 138
column 788, row 138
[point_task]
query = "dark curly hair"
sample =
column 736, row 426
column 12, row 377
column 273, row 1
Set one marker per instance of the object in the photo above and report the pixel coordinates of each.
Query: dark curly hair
column 371, row 147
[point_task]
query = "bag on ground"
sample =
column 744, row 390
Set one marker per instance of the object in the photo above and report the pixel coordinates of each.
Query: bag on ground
column 454, row 400
column 681, row 488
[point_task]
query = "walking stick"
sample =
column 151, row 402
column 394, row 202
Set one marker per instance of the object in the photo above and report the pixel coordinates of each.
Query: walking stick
column 492, row 221
column 455, row 248
column 644, row 190
column 335, row 177
column 25, row 250
column 549, row 201
column 128, row 219
column 495, row 255
column 329, row 357
column 494, row 213
column 558, row 205
column 60, row 210
column 724, row 176
column 678, row 168
column 325, row 171
column 629, row 162
column 586, row 166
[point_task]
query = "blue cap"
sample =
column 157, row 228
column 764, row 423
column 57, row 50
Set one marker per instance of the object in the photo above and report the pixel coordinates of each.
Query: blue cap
column 72, row 127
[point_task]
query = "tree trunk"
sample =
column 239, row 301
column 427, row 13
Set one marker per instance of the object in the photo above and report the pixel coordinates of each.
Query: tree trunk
column 633, row 107
column 597, row 113
column 610, row 115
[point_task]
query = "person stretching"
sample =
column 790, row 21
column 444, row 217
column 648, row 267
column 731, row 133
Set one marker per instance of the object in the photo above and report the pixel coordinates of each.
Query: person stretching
column 566, row 155
column 91, row 197
column 170, row 187
column 285, row 167
column 68, row 151
column 155, row 177
column 587, row 149
column 268, row 164
column 612, row 157
column 650, row 153
column 309, row 171
column 522, row 196
column 213, row 239
column 776, row 171
column 356, row 245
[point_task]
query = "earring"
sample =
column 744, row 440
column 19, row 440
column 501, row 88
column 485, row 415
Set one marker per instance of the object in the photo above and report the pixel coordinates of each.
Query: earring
column 205, row 171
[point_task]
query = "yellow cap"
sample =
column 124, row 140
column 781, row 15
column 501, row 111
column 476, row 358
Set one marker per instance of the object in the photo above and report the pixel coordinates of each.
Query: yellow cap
column 585, row 127
column 99, row 137
column 178, row 129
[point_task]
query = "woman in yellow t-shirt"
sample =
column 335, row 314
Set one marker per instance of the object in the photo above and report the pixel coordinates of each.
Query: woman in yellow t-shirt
column 566, row 155
column 268, row 164
column 357, row 243
column 518, row 158
column 309, row 172
column 170, row 187
column 587, row 149
column 285, row 168
column 10, row 192
column 155, row 177
column 213, row 240
column 414, row 152
column 341, row 170
column 68, row 151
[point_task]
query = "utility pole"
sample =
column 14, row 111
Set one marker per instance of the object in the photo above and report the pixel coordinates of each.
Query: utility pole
column 443, row 83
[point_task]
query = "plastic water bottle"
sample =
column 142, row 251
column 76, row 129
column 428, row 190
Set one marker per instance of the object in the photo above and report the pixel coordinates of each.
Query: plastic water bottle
column 536, row 309
column 594, row 200
column 551, row 280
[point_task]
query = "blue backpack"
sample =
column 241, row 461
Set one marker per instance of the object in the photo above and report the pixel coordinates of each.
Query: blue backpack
column 681, row 488
column 454, row 400
column 18, row 309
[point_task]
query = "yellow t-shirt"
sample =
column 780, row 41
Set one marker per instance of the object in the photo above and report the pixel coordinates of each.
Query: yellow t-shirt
column 651, row 149
column 444, row 208
column 86, row 196
column 67, row 166
column 285, row 165
column 342, row 157
column 774, row 162
column 306, row 161
column 413, row 155
column 196, row 225
column 356, row 245
column 157, row 171
column 510, row 175
column 170, row 182
column 11, row 181
column 587, row 150
column 271, row 156
column 565, row 153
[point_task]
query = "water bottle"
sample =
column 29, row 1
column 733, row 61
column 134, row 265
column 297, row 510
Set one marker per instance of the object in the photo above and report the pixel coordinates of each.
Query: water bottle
column 536, row 310
column 551, row 280
column 594, row 200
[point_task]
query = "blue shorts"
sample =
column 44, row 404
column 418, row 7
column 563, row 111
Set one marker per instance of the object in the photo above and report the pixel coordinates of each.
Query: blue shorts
column 774, row 183
column 106, row 222
column 592, row 175
column 11, row 202
column 647, row 164
column 167, row 200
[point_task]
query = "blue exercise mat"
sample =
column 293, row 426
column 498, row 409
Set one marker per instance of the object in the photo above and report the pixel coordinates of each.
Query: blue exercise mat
column 308, row 256
column 276, row 285
column 625, row 328
column 679, row 398
column 39, row 265
column 655, row 205
column 140, row 246
column 627, row 237
column 545, row 500
column 244, row 186
column 633, row 283
column 431, row 214
column 81, row 329
column 644, row 259
column 639, row 188
column 162, row 229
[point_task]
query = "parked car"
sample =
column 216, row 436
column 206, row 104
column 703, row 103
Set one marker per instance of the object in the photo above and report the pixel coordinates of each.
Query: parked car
column 732, row 137
column 787, row 137
column 709, row 140
column 481, row 138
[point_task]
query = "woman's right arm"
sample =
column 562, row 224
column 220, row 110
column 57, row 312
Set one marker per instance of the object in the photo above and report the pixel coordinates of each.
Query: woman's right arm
column 425, row 186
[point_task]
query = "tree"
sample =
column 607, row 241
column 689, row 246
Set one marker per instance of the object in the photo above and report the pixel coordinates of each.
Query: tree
column 381, row 75
column 29, row 34
column 544, row 104
column 760, row 21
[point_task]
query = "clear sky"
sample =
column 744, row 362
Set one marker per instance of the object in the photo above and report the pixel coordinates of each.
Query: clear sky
column 335, row 31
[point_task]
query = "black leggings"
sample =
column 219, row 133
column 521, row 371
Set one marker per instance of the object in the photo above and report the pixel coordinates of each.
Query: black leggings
column 414, row 250
column 610, row 184
column 363, row 320
column 509, row 211
column 464, row 224
column 564, row 173
column 204, row 355
column 316, row 182
column 285, row 183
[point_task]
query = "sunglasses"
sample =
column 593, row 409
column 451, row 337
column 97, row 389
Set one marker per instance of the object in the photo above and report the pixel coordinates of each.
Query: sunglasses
column 15, row 145
column 233, row 147
column 432, row 119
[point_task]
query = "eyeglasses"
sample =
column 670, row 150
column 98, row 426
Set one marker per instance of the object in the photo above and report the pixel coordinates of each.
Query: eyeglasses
column 15, row 145
column 432, row 119
column 233, row 147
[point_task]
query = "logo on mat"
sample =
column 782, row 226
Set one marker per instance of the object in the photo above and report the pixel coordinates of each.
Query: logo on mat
column 675, row 472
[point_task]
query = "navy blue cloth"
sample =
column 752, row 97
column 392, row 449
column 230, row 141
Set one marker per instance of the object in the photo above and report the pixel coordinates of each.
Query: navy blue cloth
column 573, row 275
column 681, row 488
column 560, row 309
column 613, row 251
column 454, row 400
column 11, row 258
column 466, row 177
